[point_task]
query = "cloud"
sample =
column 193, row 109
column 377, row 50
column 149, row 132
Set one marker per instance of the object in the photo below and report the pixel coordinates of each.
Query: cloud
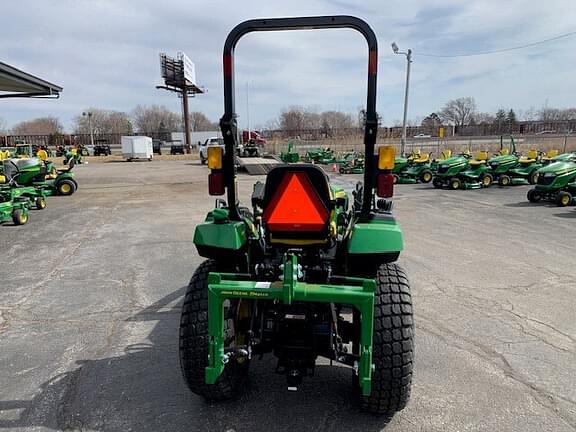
column 105, row 54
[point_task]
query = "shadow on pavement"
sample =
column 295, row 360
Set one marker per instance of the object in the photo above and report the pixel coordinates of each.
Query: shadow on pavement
column 568, row 215
column 142, row 389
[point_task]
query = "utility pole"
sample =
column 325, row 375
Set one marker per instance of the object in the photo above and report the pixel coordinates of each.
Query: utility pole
column 89, row 115
column 408, row 55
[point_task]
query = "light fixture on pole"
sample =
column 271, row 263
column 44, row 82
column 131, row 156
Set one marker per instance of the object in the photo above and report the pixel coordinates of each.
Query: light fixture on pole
column 408, row 55
column 89, row 115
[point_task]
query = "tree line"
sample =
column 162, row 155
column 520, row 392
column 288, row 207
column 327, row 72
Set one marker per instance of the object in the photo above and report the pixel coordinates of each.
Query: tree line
column 142, row 119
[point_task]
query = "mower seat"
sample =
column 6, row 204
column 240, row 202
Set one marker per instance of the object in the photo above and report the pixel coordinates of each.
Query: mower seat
column 446, row 154
column 503, row 152
column 414, row 155
column 551, row 154
column 530, row 158
column 297, row 205
column 479, row 159
column 422, row 158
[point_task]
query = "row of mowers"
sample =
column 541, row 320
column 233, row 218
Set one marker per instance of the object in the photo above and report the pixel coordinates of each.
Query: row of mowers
column 350, row 162
column 26, row 183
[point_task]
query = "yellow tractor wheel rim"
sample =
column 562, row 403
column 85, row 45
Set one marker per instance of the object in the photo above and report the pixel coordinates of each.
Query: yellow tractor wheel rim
column 65, row 188
column 505, row 181
column 565, row 200
column 23, row 218
column 486, row 181
column 427, row 177
column 455, row 185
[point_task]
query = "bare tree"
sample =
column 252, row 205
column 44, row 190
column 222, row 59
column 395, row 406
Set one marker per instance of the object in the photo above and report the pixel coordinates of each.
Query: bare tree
column 332, row 120
column 199, row 122
column 38, row 126
column 555, row 114
column 431, row 123
column 103, row 122
column 148, row 119
column 459, row 111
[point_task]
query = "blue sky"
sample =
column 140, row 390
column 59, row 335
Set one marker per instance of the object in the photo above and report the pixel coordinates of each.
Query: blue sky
column 105, row 54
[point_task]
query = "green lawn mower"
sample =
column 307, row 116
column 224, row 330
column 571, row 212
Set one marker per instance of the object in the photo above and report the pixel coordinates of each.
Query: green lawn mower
column 524, row 171
column 448, row 170
column 41, row 175
column 351, row 162
column 556, row 183
column 13, row 208
column 291, row 156
column 307, row 272
column 320, row 156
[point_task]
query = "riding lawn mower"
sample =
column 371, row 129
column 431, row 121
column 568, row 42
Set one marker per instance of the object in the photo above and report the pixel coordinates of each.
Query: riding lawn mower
column 308, row 272
column 556, row 183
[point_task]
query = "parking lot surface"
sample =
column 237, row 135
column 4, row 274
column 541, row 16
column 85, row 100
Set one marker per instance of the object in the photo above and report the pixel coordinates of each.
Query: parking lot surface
column 90, row 291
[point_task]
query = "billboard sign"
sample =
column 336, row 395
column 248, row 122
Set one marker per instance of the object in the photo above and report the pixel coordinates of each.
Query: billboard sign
column 177, row 71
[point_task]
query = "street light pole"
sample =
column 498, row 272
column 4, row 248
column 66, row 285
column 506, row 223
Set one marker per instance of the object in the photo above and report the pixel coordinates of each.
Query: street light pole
column 89, row 115
column 408, row 55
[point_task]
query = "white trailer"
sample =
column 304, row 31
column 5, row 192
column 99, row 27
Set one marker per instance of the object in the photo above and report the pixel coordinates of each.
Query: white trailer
column 136, row 147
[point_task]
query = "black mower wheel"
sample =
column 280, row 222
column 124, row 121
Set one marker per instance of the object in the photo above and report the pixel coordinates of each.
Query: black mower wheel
column 534, row 196
column 486, row 180
column 426, row 176
column 563, row 199
column 455, row 183
column 66, row 187
column 396, row 178
column 437, row 183
column 194, row 342
column 504, row 180
column 40, row 203
column 19, row 217
column 533, row 177
column 393, row 346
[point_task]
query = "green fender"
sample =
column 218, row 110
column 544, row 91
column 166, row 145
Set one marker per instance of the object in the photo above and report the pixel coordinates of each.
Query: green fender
column 378, row 236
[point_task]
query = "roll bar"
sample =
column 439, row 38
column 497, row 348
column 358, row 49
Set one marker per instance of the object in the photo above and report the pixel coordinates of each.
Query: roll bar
column 228, row 123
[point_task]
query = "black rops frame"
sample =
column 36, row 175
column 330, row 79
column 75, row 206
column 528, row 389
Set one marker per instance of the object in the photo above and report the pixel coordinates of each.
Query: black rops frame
column 228, row 121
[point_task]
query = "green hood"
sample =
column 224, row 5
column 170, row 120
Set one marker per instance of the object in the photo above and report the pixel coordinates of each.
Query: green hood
column 454, row 160
column 558, row 168
column 570, row 157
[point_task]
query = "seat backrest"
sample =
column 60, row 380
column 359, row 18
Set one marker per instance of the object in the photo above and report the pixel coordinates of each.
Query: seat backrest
column 481, row 155
column 297, row 205
column 446, row 154
column 504, row 152
column 552, row 153
column 532, row 154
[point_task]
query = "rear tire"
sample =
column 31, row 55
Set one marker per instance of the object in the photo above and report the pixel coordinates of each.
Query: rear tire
column 534, row 196
column 437, row 183
column 455, row 183
column 486, row 180
column 504, row 180
column 194, row 342
column 66, row 187
column 393, row 343
column 533, row 177
column 563, row 199
column 426, row 176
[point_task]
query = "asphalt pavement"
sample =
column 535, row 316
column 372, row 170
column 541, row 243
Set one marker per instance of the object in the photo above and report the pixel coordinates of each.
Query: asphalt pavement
column 91, row 287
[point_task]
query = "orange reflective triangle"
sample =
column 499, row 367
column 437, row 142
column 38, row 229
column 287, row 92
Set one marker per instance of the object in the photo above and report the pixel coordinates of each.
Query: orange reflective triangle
column 296, row 206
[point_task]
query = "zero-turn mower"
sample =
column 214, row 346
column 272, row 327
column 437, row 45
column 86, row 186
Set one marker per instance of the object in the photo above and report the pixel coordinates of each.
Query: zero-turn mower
column 13, row 208
column 556, row 183
column 308, row 272
column 41, row 175
column 291, row 156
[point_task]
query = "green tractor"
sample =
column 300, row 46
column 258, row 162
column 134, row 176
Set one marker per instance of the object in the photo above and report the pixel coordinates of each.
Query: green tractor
column 307, row 272
column 322, row 156
column 556, row 183
column 291, row 156
column 41, row 175
column 414, row 168
column 13, row 208
column 448, row 170
column 351, row 162
column 524, row 171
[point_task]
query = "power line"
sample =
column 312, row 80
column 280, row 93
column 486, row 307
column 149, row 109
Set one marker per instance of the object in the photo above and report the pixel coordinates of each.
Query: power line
column 528, row 45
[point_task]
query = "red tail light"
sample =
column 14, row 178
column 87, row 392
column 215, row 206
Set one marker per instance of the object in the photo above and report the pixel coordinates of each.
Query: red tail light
column 216, row 183
column 385, row 185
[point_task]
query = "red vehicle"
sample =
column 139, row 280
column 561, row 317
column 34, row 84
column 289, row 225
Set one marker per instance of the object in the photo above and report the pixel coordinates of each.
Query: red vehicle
column 253, row 144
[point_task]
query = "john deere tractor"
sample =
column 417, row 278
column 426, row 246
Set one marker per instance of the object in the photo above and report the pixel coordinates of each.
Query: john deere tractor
column 13, row 208
column 307, row 272
column 41, row 175
column 556, row 183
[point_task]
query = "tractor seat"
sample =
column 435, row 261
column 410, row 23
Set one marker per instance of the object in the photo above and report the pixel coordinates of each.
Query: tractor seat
column 422, row 159
column 530, row 158
column 297, row 203
column 479, row 159
column 446, row 154
column 551, row 154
